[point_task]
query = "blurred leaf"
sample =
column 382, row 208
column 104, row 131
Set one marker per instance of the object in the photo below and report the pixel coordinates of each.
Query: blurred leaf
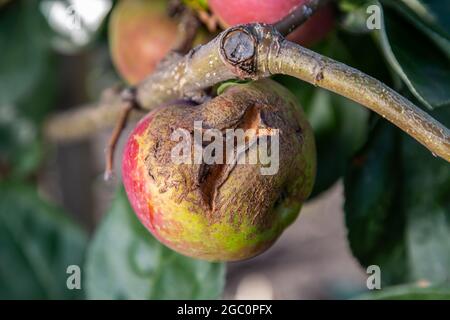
column 421, row 64
column 350, row 5
column 3, row 2
column 409, row 292
column 24, row 48
column 340, row 128
column 37, row 244
column 126, row 262
column 355, row 15
column 433, row 13
column 21, row 148
column 199, row 5
column 27, row 87
column 420, row 17
column 375, row 223
column 397, row 207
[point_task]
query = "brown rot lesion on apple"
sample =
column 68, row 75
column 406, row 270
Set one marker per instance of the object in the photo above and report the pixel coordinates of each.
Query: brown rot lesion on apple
column 224, row 169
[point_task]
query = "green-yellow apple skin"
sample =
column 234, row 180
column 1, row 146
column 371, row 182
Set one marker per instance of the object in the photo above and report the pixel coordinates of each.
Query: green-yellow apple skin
column 221, row 212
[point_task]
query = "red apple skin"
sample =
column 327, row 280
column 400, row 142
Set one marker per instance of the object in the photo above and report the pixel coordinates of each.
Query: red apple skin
column 136, row 187
column 315, row 29
column 141, row 34
column 233, row 12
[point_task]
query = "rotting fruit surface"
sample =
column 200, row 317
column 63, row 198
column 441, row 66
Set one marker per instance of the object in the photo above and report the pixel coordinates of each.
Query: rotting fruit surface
column 221, row 212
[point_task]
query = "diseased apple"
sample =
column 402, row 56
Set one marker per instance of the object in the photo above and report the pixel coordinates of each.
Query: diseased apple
column 233, row 12
column 221, row 210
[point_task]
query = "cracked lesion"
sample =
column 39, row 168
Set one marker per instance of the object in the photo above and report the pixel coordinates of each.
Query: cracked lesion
column 212, row 177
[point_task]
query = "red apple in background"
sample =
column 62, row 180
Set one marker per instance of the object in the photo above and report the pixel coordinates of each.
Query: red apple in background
column 141, row 34
column 233, row 12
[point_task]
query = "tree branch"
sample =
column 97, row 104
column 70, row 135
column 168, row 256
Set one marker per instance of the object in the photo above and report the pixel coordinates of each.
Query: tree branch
column 84, row 121
column 256, row 51
column 187, row 31
column 367, row 91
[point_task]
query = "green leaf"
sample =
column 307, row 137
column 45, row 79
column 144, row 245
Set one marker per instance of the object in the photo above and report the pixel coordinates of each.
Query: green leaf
column 37, row 244
column 21, row 147
column 433, row 13
column 24, row 48
column 335, row 147
column 409, row 292
column 27, row 87
column 397, row 207
column 222, row 87
column 199, row 5
column 421, row 64
column 125, row 262
column 420, row 16
column 354, row 17
column 376, row 230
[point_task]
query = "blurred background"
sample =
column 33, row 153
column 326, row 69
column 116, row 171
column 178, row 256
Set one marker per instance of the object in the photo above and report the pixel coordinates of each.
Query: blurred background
column 56, row 210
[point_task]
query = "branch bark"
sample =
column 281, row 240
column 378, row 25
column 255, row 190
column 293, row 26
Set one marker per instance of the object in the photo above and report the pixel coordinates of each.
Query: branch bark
column 256, row 51
column 187, row 31
column 86, row 120
column 80, row 123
